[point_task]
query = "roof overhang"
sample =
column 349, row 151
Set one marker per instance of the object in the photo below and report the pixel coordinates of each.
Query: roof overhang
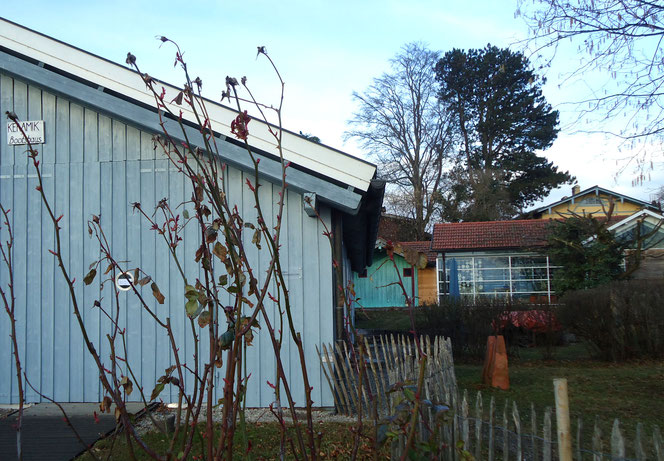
column 343, row 182
column 531, row 248
column 338, row 195
column 597, row 191
column 111, row 77
column 361, row 230
column 643, row 215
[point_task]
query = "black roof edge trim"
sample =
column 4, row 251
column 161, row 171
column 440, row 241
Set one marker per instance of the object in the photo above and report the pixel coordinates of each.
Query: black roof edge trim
column 361, row 230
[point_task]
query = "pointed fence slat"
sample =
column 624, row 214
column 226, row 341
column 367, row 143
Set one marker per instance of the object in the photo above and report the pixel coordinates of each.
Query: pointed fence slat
column 657, row 443
column 562, row 419
column 533, row 429
column 339, row 385
column 395, row 356
column 479, row 414
column 546, row 443
column 617, row 442
column 353, row 373
column 456, row 405
column 380, row 357
column 492, row 412
column 517, row 426
column 506, row 434
column 376, row 359
column 465, row 429
column 340, row 364
column 597, row 441
column 579, row 428
column 379, row 392
column 326, row 361
column 638, row 445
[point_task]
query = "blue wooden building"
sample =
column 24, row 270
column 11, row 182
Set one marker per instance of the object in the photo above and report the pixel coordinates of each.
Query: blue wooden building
column 380, row 284
column 97, row 158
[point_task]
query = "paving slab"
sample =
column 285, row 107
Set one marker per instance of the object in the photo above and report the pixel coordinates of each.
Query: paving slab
column 46, row 436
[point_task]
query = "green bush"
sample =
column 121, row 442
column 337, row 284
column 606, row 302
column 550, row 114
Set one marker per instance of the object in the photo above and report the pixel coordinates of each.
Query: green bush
column 620, row 321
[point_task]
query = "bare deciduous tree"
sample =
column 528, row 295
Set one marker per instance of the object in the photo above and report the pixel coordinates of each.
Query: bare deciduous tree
column 401, row 123
column 620, row 42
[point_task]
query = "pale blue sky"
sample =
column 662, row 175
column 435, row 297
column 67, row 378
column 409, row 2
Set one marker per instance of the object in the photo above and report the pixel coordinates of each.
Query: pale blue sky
column 324, row 50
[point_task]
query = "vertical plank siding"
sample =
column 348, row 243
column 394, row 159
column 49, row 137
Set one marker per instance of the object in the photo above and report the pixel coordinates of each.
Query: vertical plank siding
column 379, row 288
column 93, row 164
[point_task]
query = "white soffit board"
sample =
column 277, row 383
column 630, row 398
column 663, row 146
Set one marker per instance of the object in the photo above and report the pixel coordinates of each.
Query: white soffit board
column 319, row 158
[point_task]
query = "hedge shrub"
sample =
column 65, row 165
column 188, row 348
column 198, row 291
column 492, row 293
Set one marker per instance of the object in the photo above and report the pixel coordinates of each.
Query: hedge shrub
column 619, row 321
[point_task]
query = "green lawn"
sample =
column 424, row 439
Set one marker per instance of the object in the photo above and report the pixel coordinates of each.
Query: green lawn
column 631, row 392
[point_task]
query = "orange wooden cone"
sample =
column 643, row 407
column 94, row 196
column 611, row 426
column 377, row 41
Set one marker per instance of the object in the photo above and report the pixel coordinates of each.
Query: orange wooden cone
column 489, row 359
column 500, row 377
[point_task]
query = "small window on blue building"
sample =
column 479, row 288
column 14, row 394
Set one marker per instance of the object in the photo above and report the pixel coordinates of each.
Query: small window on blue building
column 363, row 274
column 407, row 271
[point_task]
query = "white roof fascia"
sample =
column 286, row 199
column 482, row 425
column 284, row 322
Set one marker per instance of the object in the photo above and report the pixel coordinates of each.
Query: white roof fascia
column 596, row 190
column 628, row 220
column 319, row 158
column 638, row 215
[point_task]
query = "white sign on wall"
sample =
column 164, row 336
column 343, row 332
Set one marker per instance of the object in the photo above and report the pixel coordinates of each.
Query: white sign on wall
column 34, row 130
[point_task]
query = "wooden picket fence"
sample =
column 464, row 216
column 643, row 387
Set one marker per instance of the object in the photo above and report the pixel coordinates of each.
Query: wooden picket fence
column 484, row 433
column 388, row 360
column 492, row 436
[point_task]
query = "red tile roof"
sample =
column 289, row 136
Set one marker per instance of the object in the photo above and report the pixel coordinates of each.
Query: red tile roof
column 423, row 247
column 490, row 235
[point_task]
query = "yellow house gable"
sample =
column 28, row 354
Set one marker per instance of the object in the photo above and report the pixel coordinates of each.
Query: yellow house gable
column 596, row 201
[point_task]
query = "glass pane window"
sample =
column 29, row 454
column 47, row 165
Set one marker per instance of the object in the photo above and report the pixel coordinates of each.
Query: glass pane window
column 493, row 274
column 502, row 276
column 466, row 287
column 492, row 262
column 520, row 273
column 466, row 275
column 529, row 286
column 539, row 273
column 465, row 263
column 528, row 261
column 493, row 296
column 502, row 287
column 529, row 273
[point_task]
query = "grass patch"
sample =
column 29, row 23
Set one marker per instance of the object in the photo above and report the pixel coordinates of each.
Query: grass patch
column 336, row 444
column 627, row 391
column 396, row 320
